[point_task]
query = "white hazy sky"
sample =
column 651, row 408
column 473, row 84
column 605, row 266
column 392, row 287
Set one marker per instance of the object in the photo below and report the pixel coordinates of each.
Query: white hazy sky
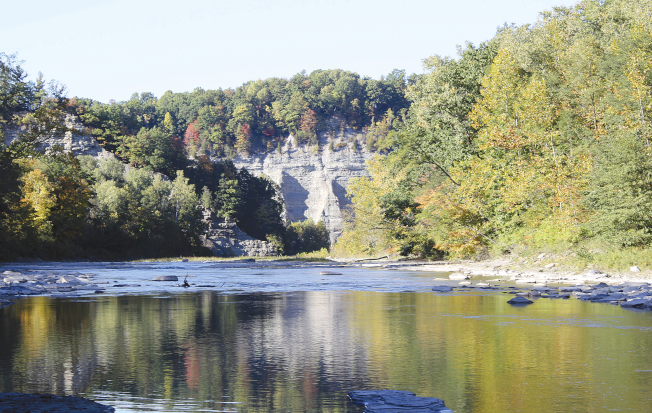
column 109, row 49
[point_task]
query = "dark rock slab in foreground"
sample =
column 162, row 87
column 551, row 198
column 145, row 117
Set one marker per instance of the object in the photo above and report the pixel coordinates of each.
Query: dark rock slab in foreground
column 397, row 401
column 24, row 403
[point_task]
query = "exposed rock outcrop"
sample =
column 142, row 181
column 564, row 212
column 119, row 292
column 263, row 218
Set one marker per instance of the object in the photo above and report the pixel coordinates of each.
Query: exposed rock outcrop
column 225, row 239
column 313, row 182
column 76, row 140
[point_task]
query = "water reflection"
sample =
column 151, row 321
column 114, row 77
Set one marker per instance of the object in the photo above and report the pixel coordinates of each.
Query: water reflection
column 303, row 351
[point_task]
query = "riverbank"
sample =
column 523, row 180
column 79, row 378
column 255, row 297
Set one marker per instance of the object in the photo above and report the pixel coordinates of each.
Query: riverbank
column 542, row 270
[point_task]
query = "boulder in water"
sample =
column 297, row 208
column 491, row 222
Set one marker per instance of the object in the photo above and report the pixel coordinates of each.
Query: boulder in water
column 165, row 278
column 397, row 401
column 442, row 288
column 519, row 300
column 458, row 276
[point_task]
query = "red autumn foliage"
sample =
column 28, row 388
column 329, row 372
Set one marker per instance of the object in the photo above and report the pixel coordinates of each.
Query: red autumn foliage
column 191, row 138
column 308, row 121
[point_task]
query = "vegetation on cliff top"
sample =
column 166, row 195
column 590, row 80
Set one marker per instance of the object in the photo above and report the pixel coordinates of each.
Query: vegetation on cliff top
column 257, row 116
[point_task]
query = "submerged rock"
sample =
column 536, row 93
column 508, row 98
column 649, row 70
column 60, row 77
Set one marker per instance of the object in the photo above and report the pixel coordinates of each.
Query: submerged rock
column 519, row 300
column 636, row 303
column 70, row 279
column 25, row 403
column 442, row 288
column 397, row 401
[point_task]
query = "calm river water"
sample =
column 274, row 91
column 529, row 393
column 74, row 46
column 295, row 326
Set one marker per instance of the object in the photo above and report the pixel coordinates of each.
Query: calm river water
column 289, row 339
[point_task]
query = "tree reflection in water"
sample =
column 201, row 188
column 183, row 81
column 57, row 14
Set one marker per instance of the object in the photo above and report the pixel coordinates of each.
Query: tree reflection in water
column 303, row 351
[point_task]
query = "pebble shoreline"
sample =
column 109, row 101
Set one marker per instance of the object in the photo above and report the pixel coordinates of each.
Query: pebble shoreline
column 627, row 290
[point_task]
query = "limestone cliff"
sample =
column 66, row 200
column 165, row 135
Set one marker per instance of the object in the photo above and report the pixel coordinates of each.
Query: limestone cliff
column 76, row 140
column 313, row 182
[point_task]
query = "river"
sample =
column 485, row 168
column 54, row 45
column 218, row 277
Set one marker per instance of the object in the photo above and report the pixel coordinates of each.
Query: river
column 287, row 338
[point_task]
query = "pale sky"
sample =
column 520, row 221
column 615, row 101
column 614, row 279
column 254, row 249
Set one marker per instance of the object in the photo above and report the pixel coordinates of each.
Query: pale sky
column 109, row 49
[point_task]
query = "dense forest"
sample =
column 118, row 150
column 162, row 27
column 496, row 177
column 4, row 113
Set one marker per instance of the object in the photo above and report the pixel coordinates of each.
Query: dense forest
column 257, row 116
column 172, row 161
column 538, row 139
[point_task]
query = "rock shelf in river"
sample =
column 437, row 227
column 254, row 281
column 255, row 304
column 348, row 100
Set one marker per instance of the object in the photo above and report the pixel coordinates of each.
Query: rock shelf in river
column 397, row 401
column 15, row 284
column 165, row 278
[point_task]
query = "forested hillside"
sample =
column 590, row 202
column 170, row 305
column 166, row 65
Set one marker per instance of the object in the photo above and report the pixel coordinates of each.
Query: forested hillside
column 537, row 139
column 257, row 116
column 53, row 205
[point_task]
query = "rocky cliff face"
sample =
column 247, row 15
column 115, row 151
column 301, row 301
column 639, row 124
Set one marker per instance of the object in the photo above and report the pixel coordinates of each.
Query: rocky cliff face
column 76, row 141
column 225, row 239
column 313, row 182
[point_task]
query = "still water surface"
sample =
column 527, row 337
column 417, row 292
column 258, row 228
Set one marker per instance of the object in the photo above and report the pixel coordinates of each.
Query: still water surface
column 302, row 349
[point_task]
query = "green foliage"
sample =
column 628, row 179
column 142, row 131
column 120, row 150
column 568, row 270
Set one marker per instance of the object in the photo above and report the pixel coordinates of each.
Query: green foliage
column 306, row 236
column 621, row 191
column 154, row 149
column 43, row 197
column 136, row 213
column 18, row 95
column 227, row 198
column 255, row 116
column 539, row 137
column 261, row 206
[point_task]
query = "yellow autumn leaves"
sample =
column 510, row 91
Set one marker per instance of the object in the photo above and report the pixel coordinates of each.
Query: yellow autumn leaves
column 523, row 132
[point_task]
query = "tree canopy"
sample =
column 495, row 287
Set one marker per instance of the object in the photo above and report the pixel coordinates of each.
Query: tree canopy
column 539, row 137
column 253, row 117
